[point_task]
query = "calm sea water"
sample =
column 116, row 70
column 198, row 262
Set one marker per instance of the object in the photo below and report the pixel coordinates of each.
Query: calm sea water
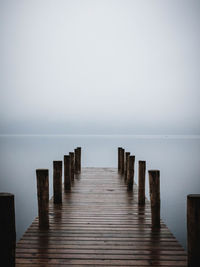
column 177, row 158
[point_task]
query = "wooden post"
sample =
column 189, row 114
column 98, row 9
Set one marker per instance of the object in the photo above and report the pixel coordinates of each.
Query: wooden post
column 154, row 185
column 122, row 161
column 141, row 181
column 43, row 197
column 7, row 230
column 193, row 230
column 127, row 154
column 57, row 182
column 71, row 154
column 119, row 159
column 67, row 173
column 130, row 178
column 76, row 161
column 127, row 167
column 79, row 159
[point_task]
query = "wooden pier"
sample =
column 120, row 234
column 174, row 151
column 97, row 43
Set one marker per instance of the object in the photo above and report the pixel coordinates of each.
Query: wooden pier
column 99, row 222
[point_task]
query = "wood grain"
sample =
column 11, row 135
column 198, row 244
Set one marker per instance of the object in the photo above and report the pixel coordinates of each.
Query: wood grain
column 99, row 224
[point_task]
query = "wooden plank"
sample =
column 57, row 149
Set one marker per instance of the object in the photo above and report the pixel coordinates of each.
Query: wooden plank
column 99, row 223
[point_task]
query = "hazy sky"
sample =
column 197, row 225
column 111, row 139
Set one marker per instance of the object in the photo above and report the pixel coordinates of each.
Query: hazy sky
column 106, row 66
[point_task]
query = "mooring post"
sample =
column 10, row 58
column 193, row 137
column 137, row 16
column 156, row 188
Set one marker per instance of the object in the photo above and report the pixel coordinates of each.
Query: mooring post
column 154, row 186
column 67, row 172
column 122, row 160
column 119, row 159
column 127, row 154
column 7, row 229
column 76, row 161
column 57, row 182
column 43, row 197
column 141, row 181
column 79, row 158
column 130, row 178
column 71, row 154
column 193, row 230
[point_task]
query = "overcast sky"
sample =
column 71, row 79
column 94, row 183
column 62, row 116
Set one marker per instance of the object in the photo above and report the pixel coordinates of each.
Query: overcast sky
column 100, row 66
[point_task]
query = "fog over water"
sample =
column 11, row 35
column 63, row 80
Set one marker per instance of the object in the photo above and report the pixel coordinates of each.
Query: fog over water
column 99, row 67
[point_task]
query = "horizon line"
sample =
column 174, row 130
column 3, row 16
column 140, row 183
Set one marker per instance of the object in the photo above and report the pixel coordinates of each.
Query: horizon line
column 188, row 136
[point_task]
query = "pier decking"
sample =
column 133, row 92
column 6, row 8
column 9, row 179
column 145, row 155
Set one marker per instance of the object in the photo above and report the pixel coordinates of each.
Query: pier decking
column 99, row 223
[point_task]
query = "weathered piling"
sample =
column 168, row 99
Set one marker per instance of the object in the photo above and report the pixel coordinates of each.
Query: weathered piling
column 43, row 197
column 141, row 181
column 76, row 161
column 67, row 172
column 122, row 160
column 154, row 186
column 7, row 230
column 193, row 230
column 127, row 154
column 71, row 154
column 57, row 182
column 79, row 159
column 130, row 178
column 119, row 159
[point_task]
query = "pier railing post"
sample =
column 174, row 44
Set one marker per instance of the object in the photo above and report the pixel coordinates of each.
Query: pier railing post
column 154, row 185
column 71, row 154
column 43, row 197
column 76, row 161
column 67, row 172
column 127, row 154
column 79, row 159
column 119, row 159
column 57, row 181
column 193, row 230
column 122, row 160
column 7, row 229
column 141, row 181
column 130, row 178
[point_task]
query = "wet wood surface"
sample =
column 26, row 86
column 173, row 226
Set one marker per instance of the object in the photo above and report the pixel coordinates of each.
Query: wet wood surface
column 99, row 223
